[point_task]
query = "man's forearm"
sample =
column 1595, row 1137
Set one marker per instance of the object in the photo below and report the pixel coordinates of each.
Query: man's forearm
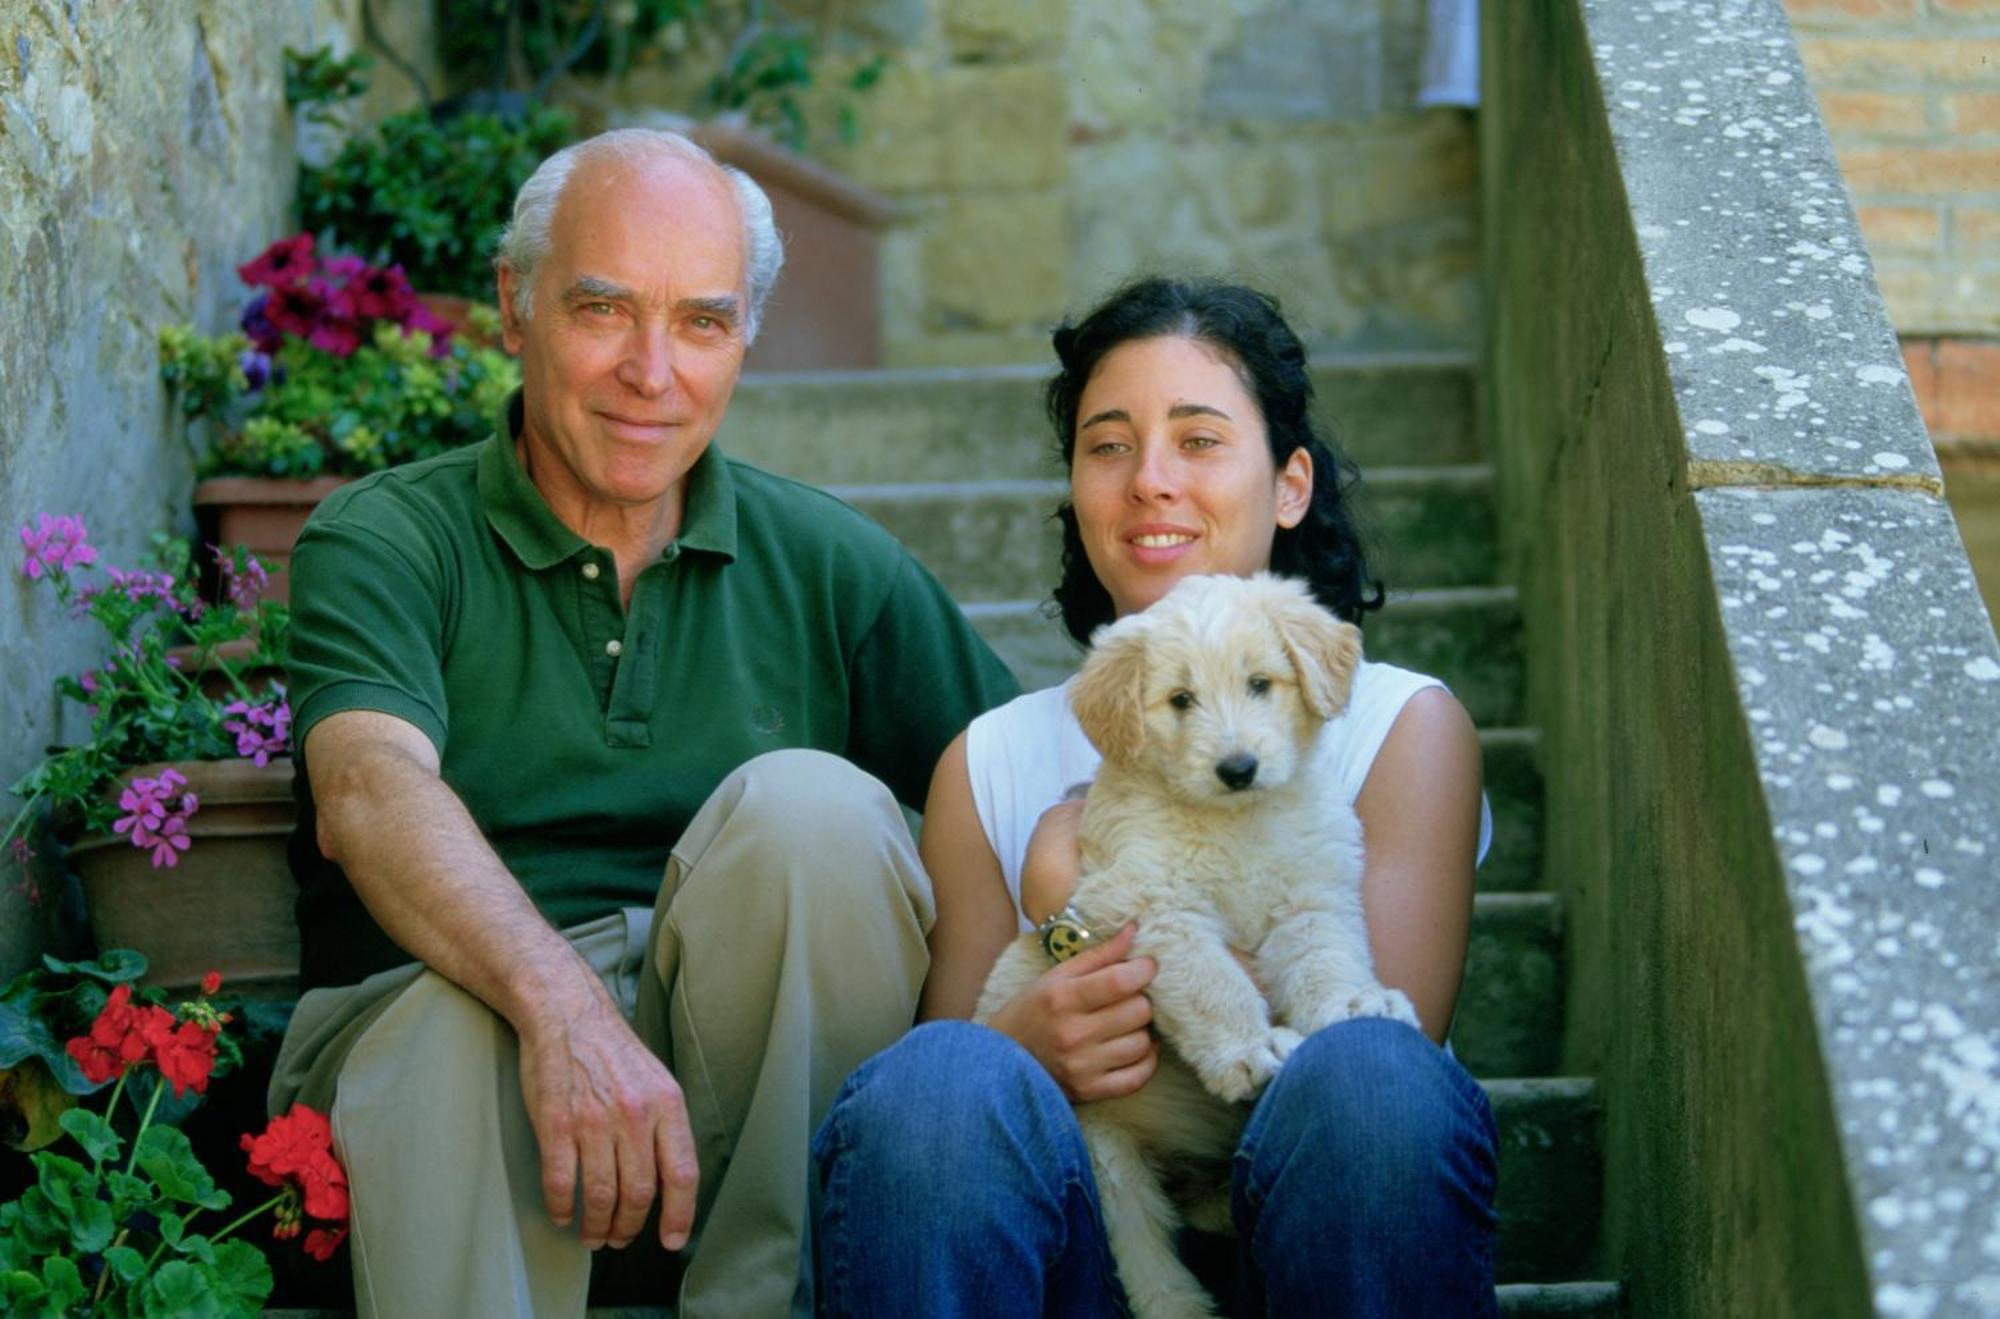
column 438, row 889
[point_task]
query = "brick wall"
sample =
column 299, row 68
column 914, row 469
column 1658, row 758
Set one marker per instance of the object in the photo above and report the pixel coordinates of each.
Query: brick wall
column 1910, row 90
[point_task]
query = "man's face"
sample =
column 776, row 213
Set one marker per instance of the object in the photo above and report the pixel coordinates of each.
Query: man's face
column 636, row 336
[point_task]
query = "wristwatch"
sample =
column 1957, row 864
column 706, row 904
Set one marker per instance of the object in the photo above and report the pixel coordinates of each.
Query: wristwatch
column 1064, row 935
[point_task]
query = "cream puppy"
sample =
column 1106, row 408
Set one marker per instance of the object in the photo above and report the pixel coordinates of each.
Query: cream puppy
column 1205, row 827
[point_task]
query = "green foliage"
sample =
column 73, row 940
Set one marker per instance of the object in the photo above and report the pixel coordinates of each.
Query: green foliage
column 318, row 80
column 431, row 196
column 388, row 402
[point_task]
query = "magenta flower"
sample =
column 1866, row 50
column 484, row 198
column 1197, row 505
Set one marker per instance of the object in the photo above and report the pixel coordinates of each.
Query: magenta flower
column 241, row 586
column 155, row 819
column 56, row 544
column 261, row 731
column 296, row 308
column 284, row 262
column 384, row 294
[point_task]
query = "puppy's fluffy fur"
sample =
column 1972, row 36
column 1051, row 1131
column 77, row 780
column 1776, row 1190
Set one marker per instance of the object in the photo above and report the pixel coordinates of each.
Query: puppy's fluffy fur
column 1204, row 826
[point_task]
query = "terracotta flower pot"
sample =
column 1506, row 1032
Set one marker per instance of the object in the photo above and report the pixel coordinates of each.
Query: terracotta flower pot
column 265, row 515
column 227, row 905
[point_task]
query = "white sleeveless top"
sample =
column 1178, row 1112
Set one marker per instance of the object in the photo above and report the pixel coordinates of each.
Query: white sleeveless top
column 1025, row 755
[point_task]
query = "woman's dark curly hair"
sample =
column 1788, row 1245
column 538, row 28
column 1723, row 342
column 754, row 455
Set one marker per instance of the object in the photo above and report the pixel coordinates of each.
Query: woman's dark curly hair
column 1325, row 548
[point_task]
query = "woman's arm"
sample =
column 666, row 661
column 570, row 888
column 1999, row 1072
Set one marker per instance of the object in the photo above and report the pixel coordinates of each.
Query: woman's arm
column 1084, row 1019
column 1419, row 810
column 974, row 917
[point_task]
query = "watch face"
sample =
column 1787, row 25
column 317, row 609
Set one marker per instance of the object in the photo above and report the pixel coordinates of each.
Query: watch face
column 1064, row 936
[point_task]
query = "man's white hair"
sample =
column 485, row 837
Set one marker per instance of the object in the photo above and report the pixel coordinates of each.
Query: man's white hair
column 525, row 242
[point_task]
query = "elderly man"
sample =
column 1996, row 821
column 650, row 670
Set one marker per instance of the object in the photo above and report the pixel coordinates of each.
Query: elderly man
column 565, row 702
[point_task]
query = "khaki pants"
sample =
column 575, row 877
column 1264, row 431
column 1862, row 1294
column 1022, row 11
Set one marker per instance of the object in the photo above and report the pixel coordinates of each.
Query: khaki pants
column 786, row 946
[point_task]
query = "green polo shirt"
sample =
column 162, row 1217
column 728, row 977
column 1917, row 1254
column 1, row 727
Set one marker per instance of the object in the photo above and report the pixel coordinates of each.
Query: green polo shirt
column 582, row 736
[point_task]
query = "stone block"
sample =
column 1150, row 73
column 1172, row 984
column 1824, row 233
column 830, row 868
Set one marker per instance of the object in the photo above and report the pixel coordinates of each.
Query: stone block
column 1880, row 60
column 1922, row 171
column 1957, row 383
column 997, row 261
column 985, row 30
column 1973, row 112
column 897, row 147
column 1808, row 14
column 1975, row 231
column 1003, row 126
column 1131, row 69
column 1412, row 166
column 970, row 348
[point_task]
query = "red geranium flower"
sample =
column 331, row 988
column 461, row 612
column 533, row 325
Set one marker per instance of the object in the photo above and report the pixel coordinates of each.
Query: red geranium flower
column 296, row 1152
column 121, row 1035
column 320, row 1243
column 211, row 982
column 186, row 1056
column 284, row 262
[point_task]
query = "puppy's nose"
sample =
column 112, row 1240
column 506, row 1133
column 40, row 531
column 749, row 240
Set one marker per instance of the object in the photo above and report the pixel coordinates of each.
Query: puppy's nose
column 1237, row 772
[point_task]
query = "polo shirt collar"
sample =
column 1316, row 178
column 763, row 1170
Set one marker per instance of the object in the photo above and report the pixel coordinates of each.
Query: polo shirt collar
column 521, row 517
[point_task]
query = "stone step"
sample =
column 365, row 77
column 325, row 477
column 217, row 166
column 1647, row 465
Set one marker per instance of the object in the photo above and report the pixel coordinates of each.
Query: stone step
column 1562, row 1300
column 1514, row 790
column 988, row 423
column 1518, row 1300
column 1469, row 636
column 1551, row 1176
column 1510, row 1010
column 997, row 540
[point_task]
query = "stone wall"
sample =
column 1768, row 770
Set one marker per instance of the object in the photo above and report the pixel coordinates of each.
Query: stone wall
column 1044, row 150
column 145, row 150
column 1768, row 692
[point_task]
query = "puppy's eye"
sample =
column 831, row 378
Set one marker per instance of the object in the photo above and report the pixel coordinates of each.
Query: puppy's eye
column 1182, row 700
column 1259, row 685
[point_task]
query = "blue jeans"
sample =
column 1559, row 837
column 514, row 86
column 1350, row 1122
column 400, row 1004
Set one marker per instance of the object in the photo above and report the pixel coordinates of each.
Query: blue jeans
column 954, row 1181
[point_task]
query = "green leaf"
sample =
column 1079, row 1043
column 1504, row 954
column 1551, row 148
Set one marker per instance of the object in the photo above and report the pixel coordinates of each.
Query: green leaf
column 242, row 1277
column 171, row 1227
column 21, row 1285
column 115, row 966
column 65, row 1284
column 128, row 1193
column 92, row 1132
column 180, row 1290
column 64, row 1181
column 32, row 1101
column 197, row 1247
column 125, row 1263
column 90, row 1227
column 170, row 1161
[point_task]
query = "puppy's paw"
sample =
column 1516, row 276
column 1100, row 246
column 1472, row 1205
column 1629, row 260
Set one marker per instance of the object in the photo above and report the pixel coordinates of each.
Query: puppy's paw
column 1245, row 1075
column 1382, row 1001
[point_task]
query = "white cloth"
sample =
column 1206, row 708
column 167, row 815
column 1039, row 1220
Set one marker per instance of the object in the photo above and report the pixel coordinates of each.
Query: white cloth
column 1451, row 54
column 1024, row 755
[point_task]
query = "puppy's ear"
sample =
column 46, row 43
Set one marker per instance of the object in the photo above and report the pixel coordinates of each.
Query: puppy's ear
column 1109, row 695
column 1323, row 650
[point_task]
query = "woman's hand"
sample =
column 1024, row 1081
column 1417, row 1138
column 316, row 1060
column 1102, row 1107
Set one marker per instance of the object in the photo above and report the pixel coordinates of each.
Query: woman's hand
column 1086, row 1019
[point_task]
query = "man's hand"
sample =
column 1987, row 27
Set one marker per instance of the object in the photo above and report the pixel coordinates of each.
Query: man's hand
column 1085, row 1020
column 609, row 1119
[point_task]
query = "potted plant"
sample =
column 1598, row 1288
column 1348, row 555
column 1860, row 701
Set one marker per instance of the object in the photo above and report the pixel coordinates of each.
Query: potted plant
column 177, row 806
column 135, row 1225
column 337, row 370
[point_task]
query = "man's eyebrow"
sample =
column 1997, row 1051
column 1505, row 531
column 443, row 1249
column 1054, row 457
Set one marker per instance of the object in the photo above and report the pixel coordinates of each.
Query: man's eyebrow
column 723, row 305
column 590, row 286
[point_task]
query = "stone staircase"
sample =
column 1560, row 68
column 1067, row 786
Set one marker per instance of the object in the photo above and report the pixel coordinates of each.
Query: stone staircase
column 959, row 465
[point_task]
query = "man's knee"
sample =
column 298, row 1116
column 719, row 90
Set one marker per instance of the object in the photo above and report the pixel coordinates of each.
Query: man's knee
column 811, row 819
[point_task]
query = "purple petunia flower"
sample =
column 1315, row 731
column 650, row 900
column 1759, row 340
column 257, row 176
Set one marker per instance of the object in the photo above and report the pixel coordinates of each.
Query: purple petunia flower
column 256, row 368
column 263, row 335
column 157, row 816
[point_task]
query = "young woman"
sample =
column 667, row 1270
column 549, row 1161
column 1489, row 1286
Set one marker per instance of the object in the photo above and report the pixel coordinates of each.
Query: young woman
column 954, row 1177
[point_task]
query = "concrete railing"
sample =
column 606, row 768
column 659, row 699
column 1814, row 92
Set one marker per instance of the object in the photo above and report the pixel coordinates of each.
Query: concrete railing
column 1768, row 690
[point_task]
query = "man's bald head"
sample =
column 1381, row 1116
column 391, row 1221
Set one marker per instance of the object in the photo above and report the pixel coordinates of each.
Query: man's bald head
column 524, row 244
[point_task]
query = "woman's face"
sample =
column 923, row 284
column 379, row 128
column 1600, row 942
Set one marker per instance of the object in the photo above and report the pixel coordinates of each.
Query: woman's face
column 1172, row 472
